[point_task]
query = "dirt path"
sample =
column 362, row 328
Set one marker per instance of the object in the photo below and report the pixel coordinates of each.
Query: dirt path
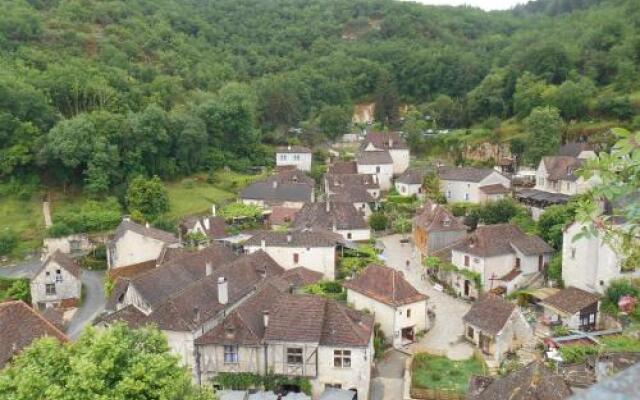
column 46, row 211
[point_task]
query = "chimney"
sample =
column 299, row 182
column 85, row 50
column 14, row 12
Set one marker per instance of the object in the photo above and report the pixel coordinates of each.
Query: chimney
column 390, row 143
column 208, row 268
column 147, row 225
column 327, row 206
column 265, row 318
column 223, row 290
column 289, row 237
column 263, row 244
column 375, row 178
column 275, row 184
column 196, row 314
column 289, row 147
column 213, row 210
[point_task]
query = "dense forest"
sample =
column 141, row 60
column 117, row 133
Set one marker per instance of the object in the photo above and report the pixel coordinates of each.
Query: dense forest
column 95, row 92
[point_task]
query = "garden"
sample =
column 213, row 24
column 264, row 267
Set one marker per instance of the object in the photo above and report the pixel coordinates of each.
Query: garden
column 433, row 375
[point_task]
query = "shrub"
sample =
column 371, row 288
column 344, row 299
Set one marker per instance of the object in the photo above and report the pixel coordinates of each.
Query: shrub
column 577, row 353
column 8, row 241
column 554, row 272
column 92, row 216
column 378, row 221
column 619, row 288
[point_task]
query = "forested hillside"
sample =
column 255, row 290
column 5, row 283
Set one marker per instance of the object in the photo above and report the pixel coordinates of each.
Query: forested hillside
column 94, row 92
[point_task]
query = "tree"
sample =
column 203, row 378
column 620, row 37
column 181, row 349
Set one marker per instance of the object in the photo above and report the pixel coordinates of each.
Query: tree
column 118, row 363
column 571, row 98
column 378, row 221
column 334, row 121
column 488, row 98
column 545, row 128
column 528, row 94
column 552, row 222
column 148, row 197
column 387, row 102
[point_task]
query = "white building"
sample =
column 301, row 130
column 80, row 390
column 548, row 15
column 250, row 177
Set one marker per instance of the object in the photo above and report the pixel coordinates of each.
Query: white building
column 474, row 185
column 572, row 307
column 378, row 163
column 589, row 262
column 502, row 255
column 289, row 188
column 410, row 184
column 339, row 182
column 397, row 306
column 392, row 143
column 341, row 218
column 297, row 156
column 133, row 243
column 57, row 282
column 496, row 327
column 314, row 250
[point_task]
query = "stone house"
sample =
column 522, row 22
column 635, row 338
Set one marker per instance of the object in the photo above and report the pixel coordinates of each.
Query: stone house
column 133, row 243
column 590, row 262
column 312, row 249
column 377, row 162
column 502, row 255
column 473, row 185
column 57, row 282
column 397, row 306
column 76, row 244
column 495, row 327
column 572, row 307
column 435, row 228
column 342, row 218
column 339, row 182
column 393, row 144
column 410, row 183
column 211, row 226
column 358, row 197
column 534, row 381
column 289, row 188
column 297, row 156
column 20, row 326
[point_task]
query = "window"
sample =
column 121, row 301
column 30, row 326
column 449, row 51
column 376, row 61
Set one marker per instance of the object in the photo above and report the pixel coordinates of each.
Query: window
column 283, row 157
column 573, row 252
column 342, row 358
column 592, row 318
column 47, row 273
column 408, row 313
column 294, row 355
column 333, row 386
column 296, row 258
column 517, row 262
column 470, row 332
column 50, row 289
column 349, row 235
column 231, row 354
column 58, row 278
column 466, row 196
column 466, row 261
column 377, row 170
column 448, row 194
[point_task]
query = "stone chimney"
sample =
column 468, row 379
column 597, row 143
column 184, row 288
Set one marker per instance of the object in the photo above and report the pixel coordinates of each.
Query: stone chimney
column 289, row 237
column 327, row 206
column 223, row 290
column 390, row 143
column 275, row 184
column 208, row 268
column 265, row 318
column 196, row 314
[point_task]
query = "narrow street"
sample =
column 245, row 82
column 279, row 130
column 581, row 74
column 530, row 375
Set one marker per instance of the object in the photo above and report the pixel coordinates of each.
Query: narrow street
column 387, row 378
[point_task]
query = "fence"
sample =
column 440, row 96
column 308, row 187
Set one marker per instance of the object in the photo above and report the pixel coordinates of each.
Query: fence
column 433, row 394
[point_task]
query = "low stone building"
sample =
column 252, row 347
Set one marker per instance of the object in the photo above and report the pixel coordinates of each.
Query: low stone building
column 435, row 228
column 495, row 327
column 392, row 143
column 572, row 307
column 211, row 226
column 57, row 283
column 397, row 306
column 473, row 185
column 288, row 188
column 379, row 163
column 340, row 218
column 298, row 156
column 20, row 326
column 410, row 183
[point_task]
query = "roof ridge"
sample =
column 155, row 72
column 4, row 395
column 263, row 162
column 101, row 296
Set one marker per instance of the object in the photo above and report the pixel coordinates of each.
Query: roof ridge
column 342, row 308
column 56, row 330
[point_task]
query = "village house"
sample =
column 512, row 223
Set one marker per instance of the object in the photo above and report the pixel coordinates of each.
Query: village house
column 590, row 262
column 57, row 282
column 397, row 306
column 76, row 244
column 495, row 327
column 297, row 156
column 473, row 185
column 534, row 381
column 20, row 326
column 435, row 228
column 339, row 182
column 557, row 179
column 289, row 188
column 133, row 243
column 391, row 143
column 279, row 217
column 293, row 335
column 342, row 168
column 502, row 255
column 376, row 162
column 211, row 226
column 410, row 183
column 342, row 218
column 312, row 249
column 357, row 196
column 572, row 307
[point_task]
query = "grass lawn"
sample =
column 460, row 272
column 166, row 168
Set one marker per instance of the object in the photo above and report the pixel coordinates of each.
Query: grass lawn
column 194, row 195
column 24, row 218
column 441, row 373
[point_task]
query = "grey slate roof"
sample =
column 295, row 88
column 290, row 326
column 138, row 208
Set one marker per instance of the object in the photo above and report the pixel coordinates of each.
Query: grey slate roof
column 64, row 261
column 275, row 191
column 499, row 239
column 351, row 194
column 374, row 158
column 342, row 216
column 293, row 149
column 343, row 167
column 562, row 167
column 151, row 232
column 435, row 218
column 296, row 238
column 335, row 182
column 385, row 141
column 464, row 174
column 571, row 299
column 489, row 313
column 411, row 177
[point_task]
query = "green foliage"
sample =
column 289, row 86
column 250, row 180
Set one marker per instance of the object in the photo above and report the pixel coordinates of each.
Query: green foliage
column 240, row 210
column 577, row 353
column 554, row 271
column 378, row 221
column 355, row 260
column 334, row 121
column 440, row 373
column 272, row 382
column 331, row 289
column 148, row 197
column 621, row 287
column 401, row 225
column 553, row 221
column 90, row 216
column 101, row 364
column 8, row 241
column 545, row 128
column 560, row 330
column 379, row 342
column 497, row 212
column 15, row 289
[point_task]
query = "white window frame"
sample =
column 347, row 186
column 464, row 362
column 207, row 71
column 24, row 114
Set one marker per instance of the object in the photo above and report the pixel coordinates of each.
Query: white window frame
column 231, row 354
column 342, row 358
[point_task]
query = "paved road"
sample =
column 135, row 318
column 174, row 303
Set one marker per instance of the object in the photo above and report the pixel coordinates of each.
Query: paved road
column 94, row 301
column 445, row 334
column 388, row 377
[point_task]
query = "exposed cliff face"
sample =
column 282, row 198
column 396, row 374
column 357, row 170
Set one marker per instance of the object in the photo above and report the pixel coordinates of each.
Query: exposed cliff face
column 486, row 152
column 364, row 113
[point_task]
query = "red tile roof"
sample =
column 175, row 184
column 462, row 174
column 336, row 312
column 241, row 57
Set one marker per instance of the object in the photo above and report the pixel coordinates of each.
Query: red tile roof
column 385, row 285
